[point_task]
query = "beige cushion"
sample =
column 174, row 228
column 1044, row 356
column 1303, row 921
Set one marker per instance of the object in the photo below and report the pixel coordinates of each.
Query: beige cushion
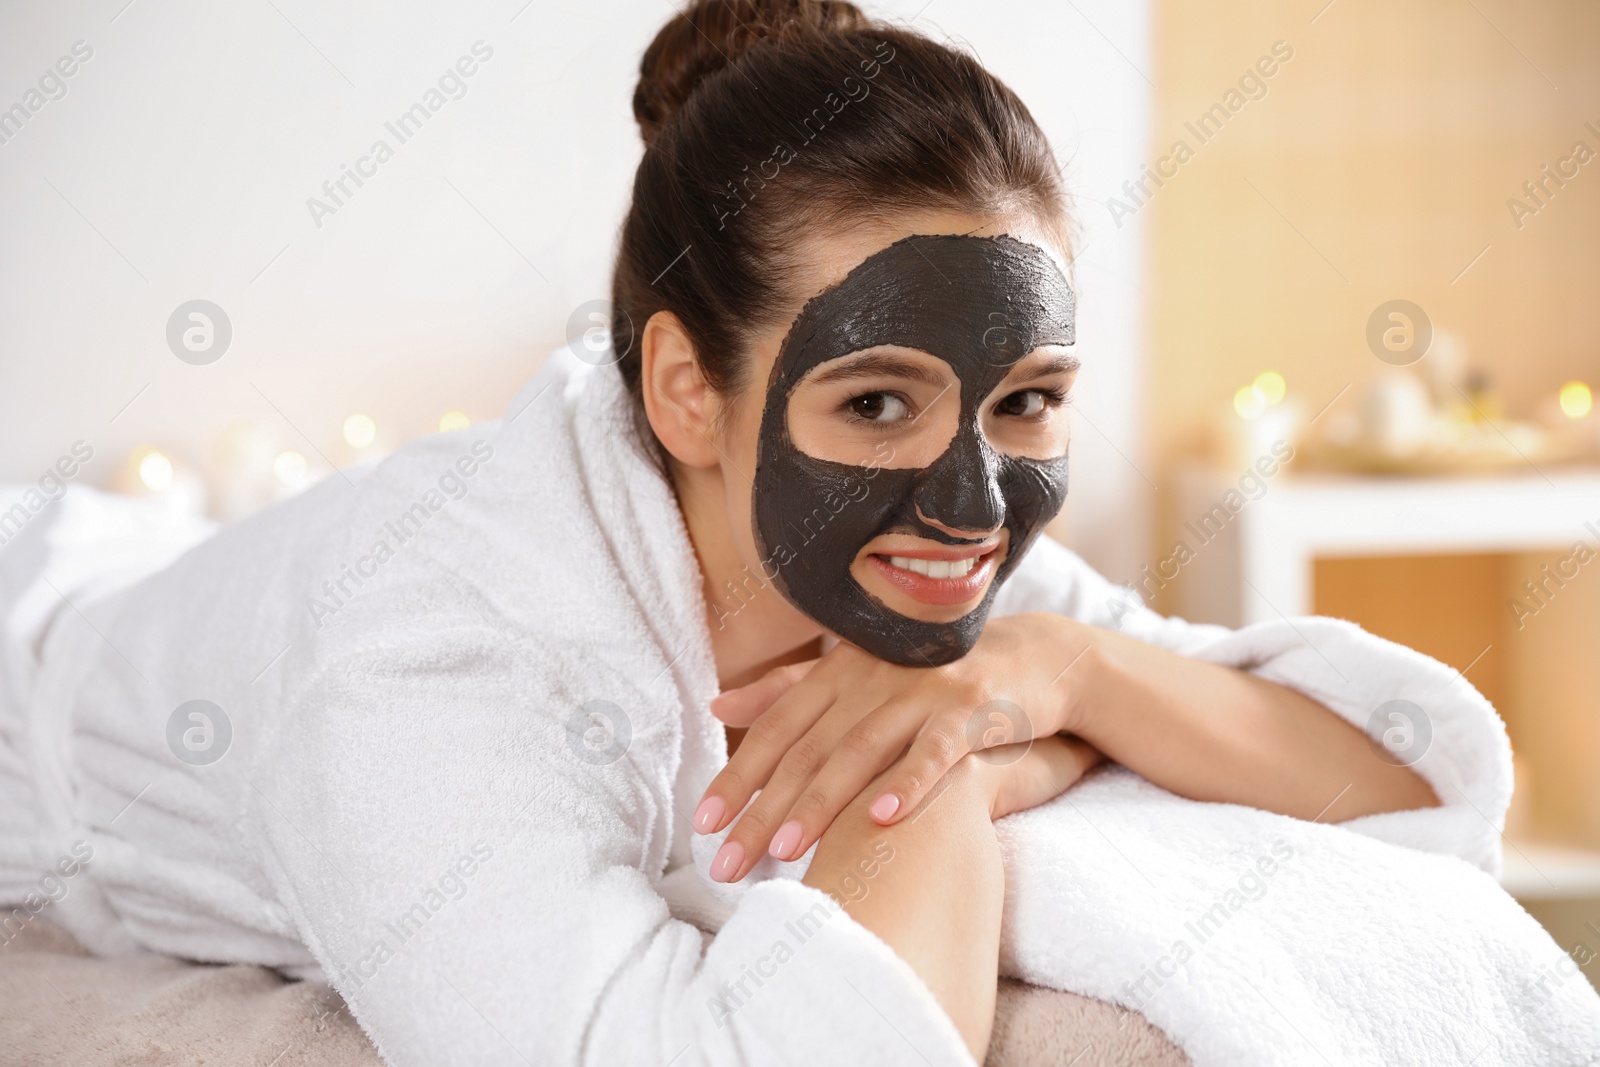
column 64, row 1007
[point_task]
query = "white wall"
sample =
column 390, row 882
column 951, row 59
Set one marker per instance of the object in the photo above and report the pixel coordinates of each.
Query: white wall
column 179, row 162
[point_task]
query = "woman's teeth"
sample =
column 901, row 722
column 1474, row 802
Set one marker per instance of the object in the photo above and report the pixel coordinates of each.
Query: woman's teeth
column 935, row 568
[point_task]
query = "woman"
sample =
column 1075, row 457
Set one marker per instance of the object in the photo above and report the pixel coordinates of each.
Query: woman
column 468, row 754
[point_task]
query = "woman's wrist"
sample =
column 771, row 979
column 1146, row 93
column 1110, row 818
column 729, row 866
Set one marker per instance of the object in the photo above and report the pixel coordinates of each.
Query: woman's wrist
column 1083, row 677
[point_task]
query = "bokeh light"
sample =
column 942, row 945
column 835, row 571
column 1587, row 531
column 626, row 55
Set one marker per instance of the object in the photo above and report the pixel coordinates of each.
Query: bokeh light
column 453, row 420
column 359, row 430
column 155, row 471
column 1271, row 385
column 1576, row 400
column 290, row 468
column 1249, row 402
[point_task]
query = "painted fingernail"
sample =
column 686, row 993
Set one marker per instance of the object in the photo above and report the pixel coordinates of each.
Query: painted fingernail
column 709, row 814
column 786, row 842
column 729, row 858
column 884, row 807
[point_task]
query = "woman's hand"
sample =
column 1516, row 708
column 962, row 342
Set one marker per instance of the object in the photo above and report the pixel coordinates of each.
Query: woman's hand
column 1024, row 775
column 820, row 732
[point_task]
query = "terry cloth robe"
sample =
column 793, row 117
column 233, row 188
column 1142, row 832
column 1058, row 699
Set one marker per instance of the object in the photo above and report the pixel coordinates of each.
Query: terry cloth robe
column 455, row 720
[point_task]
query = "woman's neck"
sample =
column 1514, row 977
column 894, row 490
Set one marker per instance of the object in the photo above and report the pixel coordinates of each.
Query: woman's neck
column 753, row 628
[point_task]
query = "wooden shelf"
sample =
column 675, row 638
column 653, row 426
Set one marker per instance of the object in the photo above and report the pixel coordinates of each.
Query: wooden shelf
column 1550, row 872
column 1259, row 564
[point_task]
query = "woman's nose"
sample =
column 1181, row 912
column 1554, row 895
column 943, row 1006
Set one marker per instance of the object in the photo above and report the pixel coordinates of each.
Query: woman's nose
column 959, row 492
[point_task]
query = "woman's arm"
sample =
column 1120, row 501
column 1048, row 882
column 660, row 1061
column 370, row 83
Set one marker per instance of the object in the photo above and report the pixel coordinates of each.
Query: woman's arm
column 1219, row 734
column 1198, row 729
column 931, row 886
column 1201, row 731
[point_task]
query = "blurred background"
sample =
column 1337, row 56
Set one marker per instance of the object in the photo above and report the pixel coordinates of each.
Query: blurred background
column 1444, row 154
column 1337, row 265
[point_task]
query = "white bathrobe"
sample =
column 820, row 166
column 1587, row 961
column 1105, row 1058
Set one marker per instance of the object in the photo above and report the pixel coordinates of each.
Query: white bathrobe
column 467, row 695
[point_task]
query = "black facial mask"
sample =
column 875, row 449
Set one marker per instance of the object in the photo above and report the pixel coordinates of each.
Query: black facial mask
column 980, row 304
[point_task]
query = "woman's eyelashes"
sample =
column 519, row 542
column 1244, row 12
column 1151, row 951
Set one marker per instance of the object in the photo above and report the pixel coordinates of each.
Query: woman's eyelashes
column 879, row 410
column 882, row 409
column 1032, row 404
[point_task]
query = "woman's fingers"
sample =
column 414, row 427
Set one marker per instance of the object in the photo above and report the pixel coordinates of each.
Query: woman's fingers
column 742, row 706
column 762, row 827
column 860, row 755
column 770, row 736
column 935, row 750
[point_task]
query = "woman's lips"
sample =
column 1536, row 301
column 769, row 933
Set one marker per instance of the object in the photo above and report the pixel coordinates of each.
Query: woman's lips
column 943, row 590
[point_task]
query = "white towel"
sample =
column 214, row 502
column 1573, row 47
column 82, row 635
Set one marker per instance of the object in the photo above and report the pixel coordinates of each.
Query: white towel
column 1384, row 940
column 419, row 798
column 1256, row 939
column 1253, row 938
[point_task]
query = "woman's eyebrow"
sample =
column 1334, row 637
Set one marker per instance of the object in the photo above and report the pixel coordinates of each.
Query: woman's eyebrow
column 881, row 364
column 1056, row 364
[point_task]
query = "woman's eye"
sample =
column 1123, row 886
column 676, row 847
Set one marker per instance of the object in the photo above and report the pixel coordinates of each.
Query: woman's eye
column 1028, row 403
column 879, row 407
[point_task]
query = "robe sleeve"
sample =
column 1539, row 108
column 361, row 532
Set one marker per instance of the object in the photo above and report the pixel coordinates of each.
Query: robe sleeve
column 481, row 894
column 1435, row 721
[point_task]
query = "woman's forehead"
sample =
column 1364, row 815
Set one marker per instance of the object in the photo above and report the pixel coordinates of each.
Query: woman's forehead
column 823, row 261
column 981, row 303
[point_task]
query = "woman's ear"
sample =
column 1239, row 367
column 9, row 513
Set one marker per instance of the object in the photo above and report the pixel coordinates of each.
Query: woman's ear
column 677, row 401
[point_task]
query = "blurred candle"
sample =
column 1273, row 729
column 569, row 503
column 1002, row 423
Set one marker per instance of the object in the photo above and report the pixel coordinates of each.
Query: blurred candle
column 290, row 468
column 1249, row 402
column 1271, row 386
column 1576, row 400
column 359, row 430
column 155, row 471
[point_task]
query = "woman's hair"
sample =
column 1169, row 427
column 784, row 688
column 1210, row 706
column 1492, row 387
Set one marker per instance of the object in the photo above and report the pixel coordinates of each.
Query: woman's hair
column 765, row 121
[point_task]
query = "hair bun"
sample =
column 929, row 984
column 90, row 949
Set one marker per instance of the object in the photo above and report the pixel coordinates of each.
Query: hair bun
column 712, row 34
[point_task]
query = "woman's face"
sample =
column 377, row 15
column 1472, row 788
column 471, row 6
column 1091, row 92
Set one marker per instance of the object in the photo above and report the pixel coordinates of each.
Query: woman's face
column 909, row 467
